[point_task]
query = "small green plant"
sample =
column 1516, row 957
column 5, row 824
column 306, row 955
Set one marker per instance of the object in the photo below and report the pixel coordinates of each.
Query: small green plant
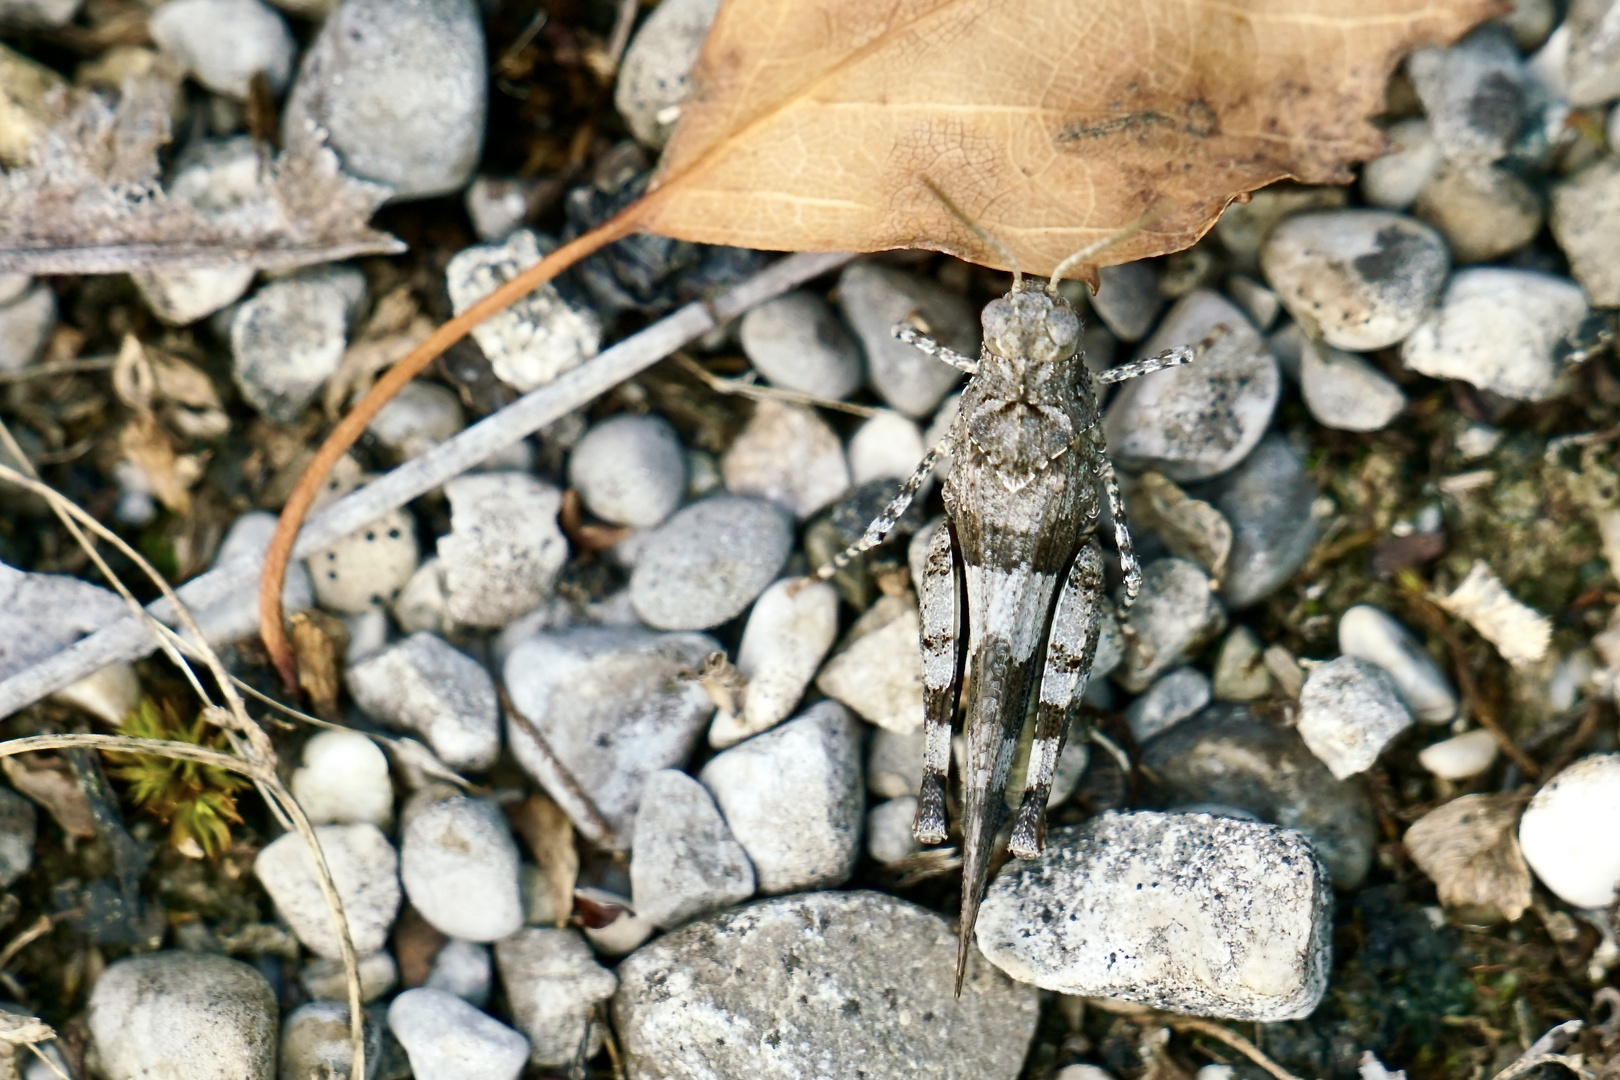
column 196, row 801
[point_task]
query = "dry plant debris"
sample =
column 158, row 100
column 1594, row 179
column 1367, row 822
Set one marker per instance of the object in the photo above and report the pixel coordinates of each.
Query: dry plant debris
column 1469, row 847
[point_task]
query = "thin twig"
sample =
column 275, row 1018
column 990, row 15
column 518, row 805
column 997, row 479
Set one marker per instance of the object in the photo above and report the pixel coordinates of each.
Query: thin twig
column 624, row 20
column 59, row 367
column 36, row 930
column 722, row 385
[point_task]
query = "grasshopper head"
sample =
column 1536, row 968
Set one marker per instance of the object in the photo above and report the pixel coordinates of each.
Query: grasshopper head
column 1031, row 325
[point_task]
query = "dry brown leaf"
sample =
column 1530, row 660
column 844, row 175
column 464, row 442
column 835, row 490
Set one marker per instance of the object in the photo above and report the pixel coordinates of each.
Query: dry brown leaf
column 550, row 838
column 89, row 201
column 812, row 123
column 319, row 641
column 170, row 475
column 1470, row 849
column 50, row 782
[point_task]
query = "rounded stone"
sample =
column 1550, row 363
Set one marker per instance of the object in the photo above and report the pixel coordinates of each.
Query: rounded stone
column 421, row 416
column 1484, row 213
column 425, row 685
column 1460, row 756
column 367, row 568
column 789, row 455
column 686, row 863
column 874, row 298
column 288, row 338
column 1394, row 181
column 888, row 830
column 1373, row 635
column 1567, row 832
column 365, row 871
column 887, row 446
column 707, row 563
column 798, row 342
column 1586, row 223
column 224, row 44
column 1345, row 392
column 196, row 1015
column 652, row 79
column 447, row 1039
column 1349, row 710
column 459, row 866
column 554, row 983
column 1175, row 614
column 630, row 470
column 1268, row 502
column 504, row 549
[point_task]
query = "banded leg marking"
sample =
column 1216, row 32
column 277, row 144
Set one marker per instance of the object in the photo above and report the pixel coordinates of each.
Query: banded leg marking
column 1070, row 648
column 884, row 523
column 1181, row 354
column 912, row 336
column 1122, row 541
column 943, row 635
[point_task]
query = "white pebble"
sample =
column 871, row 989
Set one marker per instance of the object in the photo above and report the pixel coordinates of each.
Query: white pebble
column 497, row 206
column 888, row 446
column 504, row 549
column 894, row 763
column 447, row 1039
column 1393, row 182
column 288, row 338
column 368, row 567
column 1567, row 832
column 178, row 1013
column 789, row 456
column 364, row 868
column 344, row 780
column 1344, row 391
column 225, row 43
column 1349, row 710
column 888, row 830
column 793, row 799
column 181, row 297
column 1586, row 223
column 1460, row 756
column 798, row 343
column 685, row 863
column 421, row 603
column 877, row 671
column 108, row 694
column 789, row 631
column 464, row 969
column 459, row 866
column 553, row 984
column 630, row 470
column 425, row 685
column 1369, row 633
column 538, row 337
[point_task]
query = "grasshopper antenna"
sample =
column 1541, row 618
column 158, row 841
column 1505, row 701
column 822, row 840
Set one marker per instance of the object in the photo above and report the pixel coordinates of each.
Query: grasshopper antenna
column 1090, row 251
column 978, row 232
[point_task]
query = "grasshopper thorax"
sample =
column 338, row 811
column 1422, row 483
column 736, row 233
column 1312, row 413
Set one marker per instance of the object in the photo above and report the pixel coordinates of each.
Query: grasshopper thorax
column 1033, row 325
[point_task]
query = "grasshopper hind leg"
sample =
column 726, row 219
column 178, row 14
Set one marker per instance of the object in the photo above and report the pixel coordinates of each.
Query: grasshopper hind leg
column 941, row 595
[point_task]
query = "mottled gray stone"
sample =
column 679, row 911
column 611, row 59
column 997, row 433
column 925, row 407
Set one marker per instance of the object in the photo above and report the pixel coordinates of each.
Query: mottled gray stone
column 652, row 79
column 288, row 338
column 1198, row 420
column 553, row 983
column 707, row 563
column 874, row 298
column 425, row 685
column 894, row 763
column 1128, row 299
column 315, row 1042
column 794, row 800
column 421, row 416
column 365, row 870
column 1484, row 212
column 1473, row 93
column 1175, row 614
column 1349, row 711
column 685, row 862
column 400, row 89
column 504, row 549
column 1174, row 697
column 838, row 985
column 792, row 626
column 889, row 837
column 1225, row 756
column 447, row 1039
column 614, row 706
column 1344, row 391
column 1207, row 915
column 630, row 470
column 1593, row 65
column 465, row 969
column 459, row 865
column 175, row 1013
column 789, row 455
column 1268, row 502
column 798, row 343
column 1586, row 224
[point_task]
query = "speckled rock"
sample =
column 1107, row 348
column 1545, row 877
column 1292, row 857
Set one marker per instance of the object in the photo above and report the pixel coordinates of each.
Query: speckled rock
column 1473, row 93
column 367, row 568
column 630, row 470
column 425, row 685
column 707, row 563
column 1174, row 697
column 1369, row 633
column 1499, row 330
column 1360, row 279
column 1268, row 502
column 447, row 1039
column 288, row 338
column 1344, row 391
column 400, row 89
column 798, row 343
column 364, row 868
column 504, row 549
column 1225, row 756
column 1175, row 614
column 1394, row 181
column 459, row 865
column 794, row 800
column 614, row 706
column 874, row 298
column 1349, row 711
column 553, row 983
column 787, row 455
column 1200, row 419
column 1484, row 212
column 184, row 1014
column 877, row 671
column 1207, row 915
column 1586, row 223
column 224, row 44
column 652, row 78
column 686, row 863
column 1567, row 832
column 792, row 626
column 539, row 336
column 840, row 984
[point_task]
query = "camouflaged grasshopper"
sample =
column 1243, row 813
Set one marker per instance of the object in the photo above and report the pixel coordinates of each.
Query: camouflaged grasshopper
column 1016, row 564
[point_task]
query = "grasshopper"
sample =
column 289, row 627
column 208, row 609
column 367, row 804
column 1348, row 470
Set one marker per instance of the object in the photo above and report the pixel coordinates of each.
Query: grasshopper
column 1012, row 593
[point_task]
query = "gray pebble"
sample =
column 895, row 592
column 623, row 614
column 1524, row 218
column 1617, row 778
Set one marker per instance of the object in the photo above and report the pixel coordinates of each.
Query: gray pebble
column 706, row 564
column 1586, row 224
column 497, row 206
column 465, row 969
column 425, row 685
column 1499, row 330
column 421, row 416
column 888, row 830
column 838, row 984
column 459, row 866
column 288, row 338
column 25, row 326
column 13, row 286
column 1205, row 915
column 1473, row 94
column 1593, row 66
column 42, row 614
column 1268, row 502
column 184, row 1014
column 447, row 1039
column 421, row 603
column 1370, row 634
column 874, row 298
column 614, row 706
column 653, row 77
column 686, row 862
column 630, row 470
column 877, row 670
column 1240, row 668
column 1483, row 212
column 1359, row 279
column 792, row 626
column 539, row 336
column 237, row 616
column 894, row 763
column 1349, row 711
column 1345, row 392
column 553, row 983
column 365, row 870
column 325, row 980
column 798, row 342
column 1259, row 303
column 181, row 297
column 1174, row 616
column 1128, row 299
column 794, row 800
column 789, row 456
column 315, row 1042
column 19, row 828
column 504, row 549
column 224, row 44
column 1394, row 181
column 1198, row 420
column 1170, row 700
column 1225, row 756
column 400, row 89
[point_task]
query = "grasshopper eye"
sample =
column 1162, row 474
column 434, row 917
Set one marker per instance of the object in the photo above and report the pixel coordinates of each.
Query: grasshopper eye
column 1063, row 328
